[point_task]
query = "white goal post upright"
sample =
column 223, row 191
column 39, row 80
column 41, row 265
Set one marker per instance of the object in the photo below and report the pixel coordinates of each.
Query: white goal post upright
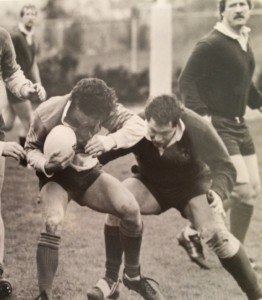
column 161, row 49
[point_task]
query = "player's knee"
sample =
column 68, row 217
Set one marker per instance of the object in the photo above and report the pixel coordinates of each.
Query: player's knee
column 129, row 209
column 221, row 241
column 255, row 190
column 8, row 126
column 53, row 224
column 242, row 192
column 112, row 220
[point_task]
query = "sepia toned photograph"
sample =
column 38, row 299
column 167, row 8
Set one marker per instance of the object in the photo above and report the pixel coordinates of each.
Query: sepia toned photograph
column 130, row 149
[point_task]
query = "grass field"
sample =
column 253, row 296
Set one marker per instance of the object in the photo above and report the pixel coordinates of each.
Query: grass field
column 82, row 247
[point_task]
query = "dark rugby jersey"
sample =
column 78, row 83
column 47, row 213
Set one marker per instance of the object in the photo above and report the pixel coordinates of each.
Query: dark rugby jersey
column 217, row 79
column 200, row 152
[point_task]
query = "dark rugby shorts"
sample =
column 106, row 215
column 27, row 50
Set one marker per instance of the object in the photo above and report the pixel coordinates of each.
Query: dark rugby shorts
column 178, row 194
column 235, row 135
column 75, row 183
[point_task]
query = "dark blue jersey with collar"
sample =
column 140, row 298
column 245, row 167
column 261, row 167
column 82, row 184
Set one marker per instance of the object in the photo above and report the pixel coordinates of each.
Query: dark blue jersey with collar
column 217, row 78
column 200, row 152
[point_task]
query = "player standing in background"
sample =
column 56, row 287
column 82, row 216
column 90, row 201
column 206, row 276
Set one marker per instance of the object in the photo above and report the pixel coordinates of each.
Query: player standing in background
column 11, row 76
column 23, row 38
column 217, row 84
column 175, row 169
column 90, row 105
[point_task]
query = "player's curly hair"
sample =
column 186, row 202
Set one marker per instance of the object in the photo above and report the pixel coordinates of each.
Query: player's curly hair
column 164, row 109
column 26, row 7
column 93, row 97
column 222, row 6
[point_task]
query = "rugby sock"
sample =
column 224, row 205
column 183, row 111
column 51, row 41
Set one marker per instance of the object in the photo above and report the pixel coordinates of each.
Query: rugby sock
column 47, row 261
column 114, row 251
column 240, row 218
column 239, row 267
column 131, row 242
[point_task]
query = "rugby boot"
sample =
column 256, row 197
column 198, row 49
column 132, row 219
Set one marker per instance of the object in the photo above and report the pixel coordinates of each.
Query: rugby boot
column 143, row 287
column 193, row 248
column 105, row 288
column 5, row 288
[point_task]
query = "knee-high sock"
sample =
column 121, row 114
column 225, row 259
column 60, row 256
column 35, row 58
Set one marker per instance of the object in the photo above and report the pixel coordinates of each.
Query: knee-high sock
column 47, row 262
column 240, row 218
column 131, row 242
column 114, row 251
column 239, row 267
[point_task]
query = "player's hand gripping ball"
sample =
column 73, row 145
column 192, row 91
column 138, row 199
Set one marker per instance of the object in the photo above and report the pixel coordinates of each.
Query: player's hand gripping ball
column 61, row 139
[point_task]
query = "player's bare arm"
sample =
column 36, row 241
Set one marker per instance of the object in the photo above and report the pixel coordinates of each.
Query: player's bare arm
column 13, row 149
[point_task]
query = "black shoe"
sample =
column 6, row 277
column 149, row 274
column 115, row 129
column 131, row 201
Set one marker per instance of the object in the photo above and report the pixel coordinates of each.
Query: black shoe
column 143, row 287
column 5, row 288
column 42, row 296
column 105, row 288
column 194, row 249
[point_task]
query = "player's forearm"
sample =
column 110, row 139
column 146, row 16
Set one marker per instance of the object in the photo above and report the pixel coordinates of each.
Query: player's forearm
column 16, row 82
column 131, row 133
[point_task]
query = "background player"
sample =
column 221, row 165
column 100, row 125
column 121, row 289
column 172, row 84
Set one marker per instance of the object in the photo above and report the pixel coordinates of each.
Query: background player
column 23, row 38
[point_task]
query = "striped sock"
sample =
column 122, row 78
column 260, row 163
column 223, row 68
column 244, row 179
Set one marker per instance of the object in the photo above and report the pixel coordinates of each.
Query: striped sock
column 47, row 261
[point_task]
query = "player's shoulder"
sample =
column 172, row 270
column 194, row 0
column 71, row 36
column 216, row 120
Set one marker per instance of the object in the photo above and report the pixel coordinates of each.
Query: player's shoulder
column 4, row 34
column 53, row 103
column 194, row 122
column 210, row 39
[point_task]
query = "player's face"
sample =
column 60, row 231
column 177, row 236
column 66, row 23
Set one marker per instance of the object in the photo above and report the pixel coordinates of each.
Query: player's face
column 236, row 14
column 87, row 126
column 160, row 134
column 28, row 18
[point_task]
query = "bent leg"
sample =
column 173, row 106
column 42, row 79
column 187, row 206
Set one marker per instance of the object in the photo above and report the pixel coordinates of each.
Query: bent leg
column 116, row 241
column 54, row 200
column 108, row 195
column 148, row 206
column 228, row 249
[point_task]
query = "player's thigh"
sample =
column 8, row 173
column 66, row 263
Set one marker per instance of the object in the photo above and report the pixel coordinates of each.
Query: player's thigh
column 241, row 168
column 251, row 163
column 254, row 178
column 54, row 201
column 8, row 116
column 147, row 202
column 24, row 112
column 108, row 195
column 199, row 213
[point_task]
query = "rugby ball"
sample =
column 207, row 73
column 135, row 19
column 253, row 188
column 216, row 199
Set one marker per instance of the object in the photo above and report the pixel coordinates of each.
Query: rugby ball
column 60, row 139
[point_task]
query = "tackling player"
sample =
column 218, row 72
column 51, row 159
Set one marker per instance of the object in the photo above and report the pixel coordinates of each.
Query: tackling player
column 182, row 164
column 90, row 105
